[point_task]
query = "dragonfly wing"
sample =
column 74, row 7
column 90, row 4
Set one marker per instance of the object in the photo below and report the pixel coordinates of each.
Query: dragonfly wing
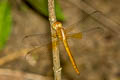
column 73, row 26
column 33, row 55
column 86, row 37
column 81, row 35
column 40, row 58
column 81, row 23
column 35, row 40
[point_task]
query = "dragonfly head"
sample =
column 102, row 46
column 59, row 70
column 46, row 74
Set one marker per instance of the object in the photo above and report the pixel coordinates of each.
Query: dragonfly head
column 57, row 25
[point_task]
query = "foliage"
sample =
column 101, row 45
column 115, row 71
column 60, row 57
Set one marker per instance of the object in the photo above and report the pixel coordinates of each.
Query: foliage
column 42, row 7
column 5, row 22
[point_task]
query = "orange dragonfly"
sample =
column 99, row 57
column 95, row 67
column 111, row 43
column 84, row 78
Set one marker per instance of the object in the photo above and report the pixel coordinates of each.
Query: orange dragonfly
column 38, row 40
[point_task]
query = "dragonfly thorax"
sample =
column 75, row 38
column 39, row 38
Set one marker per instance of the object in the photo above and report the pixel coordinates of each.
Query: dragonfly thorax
column 57, row 25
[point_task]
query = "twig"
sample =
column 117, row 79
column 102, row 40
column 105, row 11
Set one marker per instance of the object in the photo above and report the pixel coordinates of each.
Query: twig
column 12, row 56
column 7, row 74
column 55, row 50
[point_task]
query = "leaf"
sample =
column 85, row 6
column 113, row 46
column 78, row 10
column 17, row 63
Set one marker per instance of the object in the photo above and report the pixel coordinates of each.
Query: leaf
column 42, row 7
column 5, row 22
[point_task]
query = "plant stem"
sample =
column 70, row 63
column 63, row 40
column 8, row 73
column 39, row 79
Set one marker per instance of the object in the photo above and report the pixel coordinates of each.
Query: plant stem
column 55, row 49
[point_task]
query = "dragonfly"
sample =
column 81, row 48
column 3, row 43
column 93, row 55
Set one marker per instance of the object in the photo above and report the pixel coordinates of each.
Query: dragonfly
column 38, row 40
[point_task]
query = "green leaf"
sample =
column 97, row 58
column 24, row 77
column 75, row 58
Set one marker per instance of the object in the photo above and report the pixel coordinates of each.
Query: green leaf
column 5, row 22
column 42, row 7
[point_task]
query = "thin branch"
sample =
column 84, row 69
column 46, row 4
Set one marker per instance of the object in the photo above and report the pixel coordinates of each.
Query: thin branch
column 55, row 50
column 7, row 74
column 12, row 56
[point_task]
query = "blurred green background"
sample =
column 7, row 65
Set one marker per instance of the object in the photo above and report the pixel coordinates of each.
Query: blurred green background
column 5, row 22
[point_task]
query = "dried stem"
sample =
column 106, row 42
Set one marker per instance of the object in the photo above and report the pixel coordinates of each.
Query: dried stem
column 8, row 74
column 55, row 50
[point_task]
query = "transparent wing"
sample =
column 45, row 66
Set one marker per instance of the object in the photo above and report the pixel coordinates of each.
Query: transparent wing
column 35, row 40
column 80, row 35
column 73, row 26
column 85, row 28
column 80, row 23
column 40, row 58
column 33, row 55
column 87, row 23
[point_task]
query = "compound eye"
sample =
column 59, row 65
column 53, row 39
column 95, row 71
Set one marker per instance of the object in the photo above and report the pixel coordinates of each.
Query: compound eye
column 60, row 25
column 57, row 25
